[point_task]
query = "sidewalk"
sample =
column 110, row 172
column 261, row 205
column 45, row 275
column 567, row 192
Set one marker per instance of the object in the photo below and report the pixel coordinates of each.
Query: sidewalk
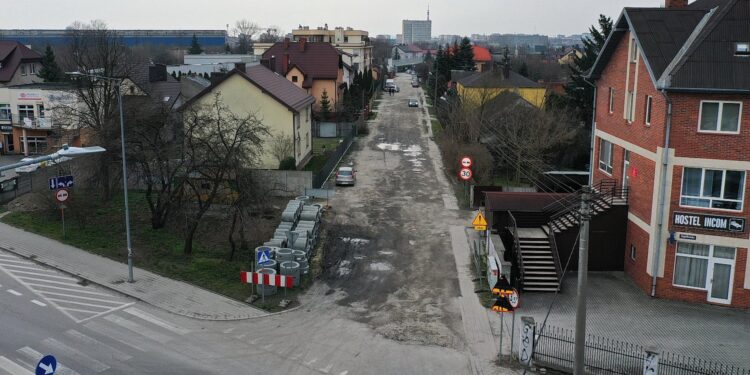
column 171, row 295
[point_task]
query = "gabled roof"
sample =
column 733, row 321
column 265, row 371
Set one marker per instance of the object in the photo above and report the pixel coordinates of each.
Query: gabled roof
column 162, row 88
column 496, row 79
column 278, row 87
column 481, row 54
column 318, row 60
column 687, row 49
column 12, row 53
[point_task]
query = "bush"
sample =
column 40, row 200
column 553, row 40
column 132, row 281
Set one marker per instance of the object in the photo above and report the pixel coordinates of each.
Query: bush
column 480, row 156
column 288, row 164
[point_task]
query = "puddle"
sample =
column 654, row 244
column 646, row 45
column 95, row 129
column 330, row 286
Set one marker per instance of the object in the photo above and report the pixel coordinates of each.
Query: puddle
column 381, row 266
column 385, row 252
column 413, row 151
column 389, row 146
column 355, row 241
column 344, row 269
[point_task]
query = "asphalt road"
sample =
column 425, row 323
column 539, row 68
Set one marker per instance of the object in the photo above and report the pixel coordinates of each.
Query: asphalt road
column 387, row 305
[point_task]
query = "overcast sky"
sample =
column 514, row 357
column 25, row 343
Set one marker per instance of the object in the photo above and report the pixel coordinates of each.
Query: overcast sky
column 463, row 17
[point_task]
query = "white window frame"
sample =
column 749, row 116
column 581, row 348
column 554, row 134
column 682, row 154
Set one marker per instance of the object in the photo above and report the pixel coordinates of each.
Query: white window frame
column 32, row 68
column 629, row 106
column 709, row 266
column 742, row 49
column 633, row 251
column 649, row 108
column 711, row 199
column 611, row 100
column 611, row 157
column 633, row 52
column 718, row 119
column 23, row 69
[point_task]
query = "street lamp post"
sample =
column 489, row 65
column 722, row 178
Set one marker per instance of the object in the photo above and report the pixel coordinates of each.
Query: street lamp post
column 124, row 165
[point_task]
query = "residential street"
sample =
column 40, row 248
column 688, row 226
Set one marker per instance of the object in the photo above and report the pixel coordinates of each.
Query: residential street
column 391, row 289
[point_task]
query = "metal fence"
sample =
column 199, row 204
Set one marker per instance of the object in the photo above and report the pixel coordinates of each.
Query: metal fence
column 555, row 349
column 334, row 157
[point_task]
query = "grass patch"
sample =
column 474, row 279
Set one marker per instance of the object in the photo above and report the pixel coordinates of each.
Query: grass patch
column 437, row 128
column 316, row 163
column 99, row 229
column 323, row 145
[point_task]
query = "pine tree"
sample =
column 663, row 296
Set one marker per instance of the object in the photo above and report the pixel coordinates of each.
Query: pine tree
column 174, row 74
column 578, row 91
column 325, row 105
column 454, row 60
column 195, row 47
column 465, row 55
column 50, row 71
column 524, row 70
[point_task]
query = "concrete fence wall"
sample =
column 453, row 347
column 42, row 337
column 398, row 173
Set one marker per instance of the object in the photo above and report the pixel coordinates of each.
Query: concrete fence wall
column 283, row 183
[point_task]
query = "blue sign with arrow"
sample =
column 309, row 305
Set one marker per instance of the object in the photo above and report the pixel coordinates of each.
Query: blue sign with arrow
column 46, row 365
column 60, row 182
column 263, row 257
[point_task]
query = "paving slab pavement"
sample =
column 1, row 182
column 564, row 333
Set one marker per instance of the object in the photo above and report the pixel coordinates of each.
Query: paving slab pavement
column 171, row 295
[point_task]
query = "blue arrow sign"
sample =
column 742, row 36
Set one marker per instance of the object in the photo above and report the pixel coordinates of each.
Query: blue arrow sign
column 46, row 365
column 263, row 257
column 60, row 182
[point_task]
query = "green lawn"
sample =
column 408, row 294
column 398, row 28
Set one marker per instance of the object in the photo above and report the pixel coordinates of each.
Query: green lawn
column 324, row 144
column 316, row 163
column 437, row 128
column 160, row 251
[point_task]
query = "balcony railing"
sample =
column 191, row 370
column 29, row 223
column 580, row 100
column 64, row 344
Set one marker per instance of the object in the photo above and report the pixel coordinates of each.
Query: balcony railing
column 34, row 123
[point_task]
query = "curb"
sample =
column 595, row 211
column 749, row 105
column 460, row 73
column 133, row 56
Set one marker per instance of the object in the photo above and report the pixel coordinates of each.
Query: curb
column 39, row 260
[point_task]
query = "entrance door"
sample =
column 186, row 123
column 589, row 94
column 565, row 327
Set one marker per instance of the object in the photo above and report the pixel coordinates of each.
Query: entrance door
column 721, row 275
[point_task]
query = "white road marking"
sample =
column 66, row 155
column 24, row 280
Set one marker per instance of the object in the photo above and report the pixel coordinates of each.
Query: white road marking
column 79, row 290
column 38, row 280
column 105, row 330
column 12, row 267
column 79, row 297
column 69, row 302
column 154, row 320
column 106, row 312
column 34, row 356
column 98, row 345
column 12, row 367
column 67, row 351
column 38, row 276
column 38, row 303
column 6, row 261
column 139, row 329
column 13, row 292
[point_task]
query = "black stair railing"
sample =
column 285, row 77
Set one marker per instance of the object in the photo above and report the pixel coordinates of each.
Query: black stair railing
column 516, row 248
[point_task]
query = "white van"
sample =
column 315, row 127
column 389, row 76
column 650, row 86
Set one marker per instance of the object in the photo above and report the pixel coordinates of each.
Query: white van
column 389, row 84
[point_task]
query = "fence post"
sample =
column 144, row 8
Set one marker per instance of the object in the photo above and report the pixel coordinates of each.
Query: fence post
column 526, row 342
column 651, row 362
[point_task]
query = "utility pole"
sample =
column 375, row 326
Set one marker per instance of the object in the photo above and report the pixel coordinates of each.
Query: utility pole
column 583, row 267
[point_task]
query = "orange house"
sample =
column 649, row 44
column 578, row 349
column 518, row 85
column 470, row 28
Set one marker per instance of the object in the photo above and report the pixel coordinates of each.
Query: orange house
column 316, row 67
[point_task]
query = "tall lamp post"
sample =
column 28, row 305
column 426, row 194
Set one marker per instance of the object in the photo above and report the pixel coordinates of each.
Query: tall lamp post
column 118, row 81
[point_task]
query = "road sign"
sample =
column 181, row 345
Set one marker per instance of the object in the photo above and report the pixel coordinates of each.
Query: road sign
column 259, row 278
column 46, row 366
column 466, row 162
column 60, row 182
column 263, row 257
column 62, row 195
column 514, row 299
column 465, row 174
column 479, row 222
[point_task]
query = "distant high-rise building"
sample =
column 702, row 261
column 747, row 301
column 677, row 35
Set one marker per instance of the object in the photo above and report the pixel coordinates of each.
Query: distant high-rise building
column 417, row 30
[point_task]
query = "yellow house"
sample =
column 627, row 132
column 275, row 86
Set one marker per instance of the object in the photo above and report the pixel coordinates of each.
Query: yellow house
column 479, row 88
column 280, row 105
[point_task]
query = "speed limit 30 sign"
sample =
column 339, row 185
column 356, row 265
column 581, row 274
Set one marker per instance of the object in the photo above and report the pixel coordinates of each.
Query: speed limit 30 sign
column 465, row 174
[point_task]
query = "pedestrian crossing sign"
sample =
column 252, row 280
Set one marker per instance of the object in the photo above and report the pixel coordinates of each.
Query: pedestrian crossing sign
column 263, row 257
column 479, row 222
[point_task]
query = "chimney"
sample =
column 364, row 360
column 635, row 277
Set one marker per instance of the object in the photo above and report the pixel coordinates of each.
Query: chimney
column 675, row 4
column 157, row 73
column 286, row 43
column 285, row 64
column 240, row 66
column 273, row 63
column 302, row 43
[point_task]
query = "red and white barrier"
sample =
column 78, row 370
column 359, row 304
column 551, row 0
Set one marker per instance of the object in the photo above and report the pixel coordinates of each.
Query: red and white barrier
column 258, row 278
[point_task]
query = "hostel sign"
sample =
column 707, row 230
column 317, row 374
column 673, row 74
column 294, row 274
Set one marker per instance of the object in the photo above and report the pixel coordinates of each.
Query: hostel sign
column 709, row 222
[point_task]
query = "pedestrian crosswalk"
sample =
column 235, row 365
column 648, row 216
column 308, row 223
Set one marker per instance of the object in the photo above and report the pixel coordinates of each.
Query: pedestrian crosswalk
column 68, row 294
column 103, row 345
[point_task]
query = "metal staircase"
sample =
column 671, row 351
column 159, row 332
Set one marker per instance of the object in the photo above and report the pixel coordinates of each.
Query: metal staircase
column 606, row 194
column 540, row 273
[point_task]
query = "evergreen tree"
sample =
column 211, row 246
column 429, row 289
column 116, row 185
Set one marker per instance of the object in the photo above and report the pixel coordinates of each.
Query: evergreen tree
column 50, row 71
column 578, row 91
column 325, row 105
column 454, row 59
column 195, row 47
column 465, row 55
column 227, row 49
column 524, row 70
column 174, row 74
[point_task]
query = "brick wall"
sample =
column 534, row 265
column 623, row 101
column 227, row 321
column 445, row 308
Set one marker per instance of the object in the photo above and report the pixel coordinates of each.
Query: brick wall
column 636, row 269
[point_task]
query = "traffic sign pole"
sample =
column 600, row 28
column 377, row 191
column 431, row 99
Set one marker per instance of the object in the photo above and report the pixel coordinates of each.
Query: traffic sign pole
column 62, row 213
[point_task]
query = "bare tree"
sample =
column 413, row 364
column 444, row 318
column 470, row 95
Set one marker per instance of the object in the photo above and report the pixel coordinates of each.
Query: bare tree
column 218, row 144
column 96, row 50
column 272, row 34
column 244, row 31
column 282, row 146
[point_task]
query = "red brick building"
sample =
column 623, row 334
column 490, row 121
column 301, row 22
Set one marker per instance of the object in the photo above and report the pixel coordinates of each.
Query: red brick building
column 672, row 122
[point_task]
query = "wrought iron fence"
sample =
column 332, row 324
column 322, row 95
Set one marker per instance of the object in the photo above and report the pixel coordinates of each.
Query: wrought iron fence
column 334, row 157
column 555, row 349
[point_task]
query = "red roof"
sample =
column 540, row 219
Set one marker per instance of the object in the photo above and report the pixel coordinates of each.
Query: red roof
column 12, row 54
column 318, row 60
column 481, row 54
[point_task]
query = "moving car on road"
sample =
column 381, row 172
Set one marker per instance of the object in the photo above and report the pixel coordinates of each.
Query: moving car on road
column 346, row 176
column 413, row 102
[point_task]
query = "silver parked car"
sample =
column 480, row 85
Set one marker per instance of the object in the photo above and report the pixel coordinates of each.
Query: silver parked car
column 346, row 176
